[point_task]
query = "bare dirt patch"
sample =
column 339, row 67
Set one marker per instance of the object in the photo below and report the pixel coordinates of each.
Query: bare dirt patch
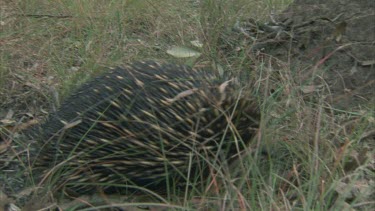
column 335, row 39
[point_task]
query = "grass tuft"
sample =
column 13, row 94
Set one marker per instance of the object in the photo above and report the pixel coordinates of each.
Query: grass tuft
column 307, row 155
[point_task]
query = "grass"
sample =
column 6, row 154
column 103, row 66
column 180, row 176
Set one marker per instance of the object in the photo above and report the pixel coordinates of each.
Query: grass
column 317, row 156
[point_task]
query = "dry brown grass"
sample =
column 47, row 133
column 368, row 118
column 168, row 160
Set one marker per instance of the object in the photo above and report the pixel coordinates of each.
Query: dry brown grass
column 317, row 157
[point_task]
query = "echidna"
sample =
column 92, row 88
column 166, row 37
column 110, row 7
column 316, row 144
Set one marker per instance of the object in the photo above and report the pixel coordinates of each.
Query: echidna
column 143, row 124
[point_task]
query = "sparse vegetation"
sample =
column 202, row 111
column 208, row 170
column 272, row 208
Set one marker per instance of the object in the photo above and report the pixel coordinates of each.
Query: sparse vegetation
column 307, row 155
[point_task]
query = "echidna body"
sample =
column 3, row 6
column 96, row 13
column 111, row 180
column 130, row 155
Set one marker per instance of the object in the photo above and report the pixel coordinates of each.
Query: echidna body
column 143, row 124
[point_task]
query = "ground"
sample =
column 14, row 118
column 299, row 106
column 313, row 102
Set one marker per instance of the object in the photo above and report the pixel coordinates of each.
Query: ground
column 313, row 66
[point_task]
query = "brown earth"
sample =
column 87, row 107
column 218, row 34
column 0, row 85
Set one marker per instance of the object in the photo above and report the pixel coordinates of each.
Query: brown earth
column 327, row 45
column 327, row 49
column 336, row 41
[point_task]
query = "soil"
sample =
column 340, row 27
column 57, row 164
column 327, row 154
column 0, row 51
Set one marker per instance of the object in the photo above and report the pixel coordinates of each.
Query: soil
column 330, row 47
column 336, row 40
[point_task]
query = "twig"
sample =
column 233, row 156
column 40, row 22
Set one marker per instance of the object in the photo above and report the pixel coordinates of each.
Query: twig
column 45, row 16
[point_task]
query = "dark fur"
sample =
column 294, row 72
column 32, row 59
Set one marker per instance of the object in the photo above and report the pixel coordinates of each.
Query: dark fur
column 166, row 114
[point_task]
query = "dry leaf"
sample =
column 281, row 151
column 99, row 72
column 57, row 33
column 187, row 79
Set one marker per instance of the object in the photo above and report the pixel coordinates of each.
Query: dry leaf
column 183, row 52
